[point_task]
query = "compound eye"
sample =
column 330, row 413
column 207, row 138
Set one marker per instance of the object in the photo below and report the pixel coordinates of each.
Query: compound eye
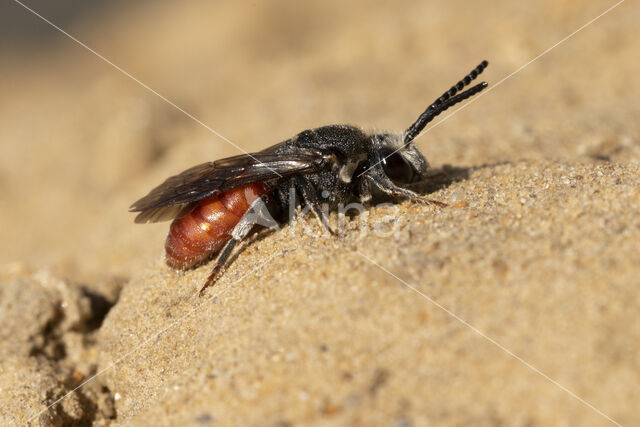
column 397, row 168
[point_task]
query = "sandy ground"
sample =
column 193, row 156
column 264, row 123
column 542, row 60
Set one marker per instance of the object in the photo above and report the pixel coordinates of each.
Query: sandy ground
column 516, row 305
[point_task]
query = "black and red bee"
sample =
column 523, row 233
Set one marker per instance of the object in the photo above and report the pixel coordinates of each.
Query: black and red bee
column 216, row 204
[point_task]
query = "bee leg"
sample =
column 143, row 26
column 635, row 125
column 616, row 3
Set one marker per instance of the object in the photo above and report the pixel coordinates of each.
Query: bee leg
column 257, row 214
column 388, row 187
column 310, row 196
column 220, row 262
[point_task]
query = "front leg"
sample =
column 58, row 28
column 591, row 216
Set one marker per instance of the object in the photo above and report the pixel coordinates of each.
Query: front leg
column 388, row 187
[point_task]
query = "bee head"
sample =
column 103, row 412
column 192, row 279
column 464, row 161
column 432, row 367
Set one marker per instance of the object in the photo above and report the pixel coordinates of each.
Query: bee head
column 398, row 158
column 402, row 163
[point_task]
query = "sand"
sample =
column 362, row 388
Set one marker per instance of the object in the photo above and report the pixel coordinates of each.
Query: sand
column 515, row 305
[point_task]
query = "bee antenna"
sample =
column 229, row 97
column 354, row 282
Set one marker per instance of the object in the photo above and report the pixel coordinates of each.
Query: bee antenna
column 437, row 106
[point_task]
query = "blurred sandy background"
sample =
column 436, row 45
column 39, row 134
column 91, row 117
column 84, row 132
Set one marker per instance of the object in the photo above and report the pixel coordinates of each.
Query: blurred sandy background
column 80, row 141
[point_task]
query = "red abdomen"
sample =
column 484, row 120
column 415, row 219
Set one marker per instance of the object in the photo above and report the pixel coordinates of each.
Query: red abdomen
column 204, row 230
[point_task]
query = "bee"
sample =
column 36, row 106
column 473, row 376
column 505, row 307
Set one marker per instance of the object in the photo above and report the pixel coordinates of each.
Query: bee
column 215, row 205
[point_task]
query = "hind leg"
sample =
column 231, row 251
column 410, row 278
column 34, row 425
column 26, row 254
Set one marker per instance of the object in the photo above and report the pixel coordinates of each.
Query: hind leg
column 258, row 214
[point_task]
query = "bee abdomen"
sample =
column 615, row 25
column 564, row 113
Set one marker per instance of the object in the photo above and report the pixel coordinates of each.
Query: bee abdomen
column 204, row 230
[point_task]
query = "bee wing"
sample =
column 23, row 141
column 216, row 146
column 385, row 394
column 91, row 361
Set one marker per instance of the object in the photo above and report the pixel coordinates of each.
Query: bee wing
column 179, row 194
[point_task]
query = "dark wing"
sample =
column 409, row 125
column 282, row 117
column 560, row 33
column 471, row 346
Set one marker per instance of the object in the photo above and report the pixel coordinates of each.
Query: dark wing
column 179, row 194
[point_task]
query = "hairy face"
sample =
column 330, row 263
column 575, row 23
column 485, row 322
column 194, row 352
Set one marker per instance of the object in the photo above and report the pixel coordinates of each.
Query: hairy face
column 402, row 163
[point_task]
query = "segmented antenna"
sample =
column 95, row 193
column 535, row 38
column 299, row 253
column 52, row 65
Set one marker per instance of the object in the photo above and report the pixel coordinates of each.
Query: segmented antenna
column 447, row 100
